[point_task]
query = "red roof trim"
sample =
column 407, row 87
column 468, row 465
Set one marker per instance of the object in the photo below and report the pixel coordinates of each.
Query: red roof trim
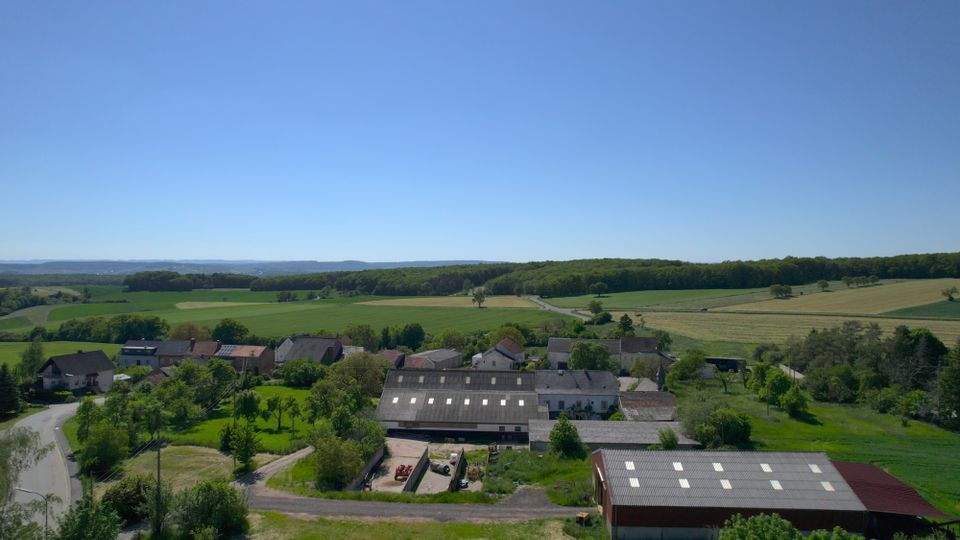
column 881, row 492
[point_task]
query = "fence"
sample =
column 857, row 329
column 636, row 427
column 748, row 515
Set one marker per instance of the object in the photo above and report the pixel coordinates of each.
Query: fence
column 361, row 479
column 414, row 481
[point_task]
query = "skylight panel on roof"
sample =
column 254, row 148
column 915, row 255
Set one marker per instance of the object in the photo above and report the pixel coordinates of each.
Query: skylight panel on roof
column 503, row 403
column 629, row 466
column 827, row 486
column 766, row 467
column 485, row 403
column 520, row 402
column 420, row 380
column 634, row 482
column 413, row 400
column 776, row 485
column 399, row 378
column 519, row 380
column 466, row 401
column 396, row 399
column 726, row 484
column 684, row 483
column 718, row 467
column 677, row 466
column 815, row 468
column 449, row 401
column 493, row 380
column 430, row 401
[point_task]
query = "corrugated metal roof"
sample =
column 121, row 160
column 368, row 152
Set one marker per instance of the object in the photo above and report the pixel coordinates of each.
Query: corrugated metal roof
column 883, row 493
column 463, row 381
column 401, row 405
column 658, row 480
column 598, row 432
column 576, row 381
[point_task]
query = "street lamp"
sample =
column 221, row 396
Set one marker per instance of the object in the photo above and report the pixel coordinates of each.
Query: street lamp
column 47, row 499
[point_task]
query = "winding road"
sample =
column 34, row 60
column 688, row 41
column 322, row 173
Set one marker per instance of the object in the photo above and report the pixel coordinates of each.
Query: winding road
column 570, row 312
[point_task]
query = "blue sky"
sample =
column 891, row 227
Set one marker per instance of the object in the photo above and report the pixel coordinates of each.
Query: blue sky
column 492, row 130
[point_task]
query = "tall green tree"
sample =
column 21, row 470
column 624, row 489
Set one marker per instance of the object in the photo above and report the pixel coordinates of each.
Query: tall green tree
column 823, row 284
column 88, row 414
column 9, row 395
column 599, row 288
column 948, row 390
column 246, row 405
column 479, row 296
column 323, row 398
column 89, row 519
column 586, row 355
column 230, row 331
column 625, row 325
column 30, row 360
column 363, row 335
column 595, row 307
column 244, row 443
column 276, row 406
column 565, row 440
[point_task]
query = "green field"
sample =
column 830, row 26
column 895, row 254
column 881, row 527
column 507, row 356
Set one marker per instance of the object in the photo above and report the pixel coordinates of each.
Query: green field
column 937, row 310
column 207, row 432
column 10, row 350
column 919, row 453
column 637, row 299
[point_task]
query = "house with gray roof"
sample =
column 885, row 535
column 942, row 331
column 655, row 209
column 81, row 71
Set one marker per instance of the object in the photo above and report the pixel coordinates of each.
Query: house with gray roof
column 605, row 434
column 154, row 353
column 323, row 349
column 77, row 372
column 625, row 351
column 582, row 394
column 506, row 354
column 434, row 359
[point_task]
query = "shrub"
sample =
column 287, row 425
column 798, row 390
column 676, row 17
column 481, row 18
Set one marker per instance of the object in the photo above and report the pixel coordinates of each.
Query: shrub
column 668, row 439
column 128, row 497
column 724, row 427
column 565, row 441
column 301, row 373
column 106, row 446
column 211, row 504
column 794, row 402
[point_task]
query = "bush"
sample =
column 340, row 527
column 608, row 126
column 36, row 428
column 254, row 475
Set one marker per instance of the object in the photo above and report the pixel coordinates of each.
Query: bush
column 128, row 497
column 794, row 402
column 724, row 427
column 885, row 399
column 105, row 448
column 565, row 441
column 668, row 439
column 301, row 373
column 211, row 504
column 572, row 492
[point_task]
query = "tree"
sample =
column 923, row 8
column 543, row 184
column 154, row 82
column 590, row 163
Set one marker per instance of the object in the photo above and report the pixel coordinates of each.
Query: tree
column 274, row 409
column 212, row 503
column 300, row 373
column 30, row 360
column 479, row 296
column 105, row 448
column 508, row 331
column 190, row 330
column 128, row 497
column 776, row 385
column 664, row 339
column 341, row 421
column 599, row 288
column 781, row 291
column 759, row 527
column 668, row 439
column 449, row 338
column 294, row 412
column 586, row 355
column 823, row 284
column 337, row 461
column 724, row 427
column 89, row 519
column 88, row 414
column 323, row 398
column 794, row 402
column 565, row 440
column 368, row 370
column 9, row 395
column 244, row 443
column 412, row 335
column 603, row 317
column 19, row 450
column 689, row 366
column 230, row 331
column 949, row 293
column 595, row 307
column 363, row 335
column 948, row 390
column 246, row 405
column 625, row 326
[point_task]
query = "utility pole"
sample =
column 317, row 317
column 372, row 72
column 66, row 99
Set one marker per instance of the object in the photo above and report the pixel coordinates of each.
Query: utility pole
column 47, row 499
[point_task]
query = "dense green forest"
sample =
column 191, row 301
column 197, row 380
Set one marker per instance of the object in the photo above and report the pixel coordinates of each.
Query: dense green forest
column 164, row 280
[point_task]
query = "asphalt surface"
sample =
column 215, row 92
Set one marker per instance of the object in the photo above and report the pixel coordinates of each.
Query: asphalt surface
column 563, row 311
column 54, row 473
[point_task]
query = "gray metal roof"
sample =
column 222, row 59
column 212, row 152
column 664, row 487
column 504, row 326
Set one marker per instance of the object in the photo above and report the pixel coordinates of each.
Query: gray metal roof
column 657, row 479
column 167, row 347
column 313, row 348
column 461, row 381
column 446, row 406
column 598, row 432
column 563, row 345
column 80, row 363
column 576, row 381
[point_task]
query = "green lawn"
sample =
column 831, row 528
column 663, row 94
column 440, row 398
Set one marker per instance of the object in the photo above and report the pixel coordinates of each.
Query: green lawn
column 14, row 322
column 10, row 350
column 636, row 299
column 207, row 432
column 920, row 454
column 938, row 310
column 281, row 527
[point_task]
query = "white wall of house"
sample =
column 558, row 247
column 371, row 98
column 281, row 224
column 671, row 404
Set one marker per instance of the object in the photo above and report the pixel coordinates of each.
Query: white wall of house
column 128, row 360
column 104, row 380
column 600, row 403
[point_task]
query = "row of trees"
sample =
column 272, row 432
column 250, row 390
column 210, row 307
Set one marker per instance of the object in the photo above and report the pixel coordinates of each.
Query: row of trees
column 164, row 280
column 12, row 299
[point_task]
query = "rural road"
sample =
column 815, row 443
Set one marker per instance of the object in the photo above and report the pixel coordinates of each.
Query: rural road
column 563, row 311
column 525, row 504
column 53, row 473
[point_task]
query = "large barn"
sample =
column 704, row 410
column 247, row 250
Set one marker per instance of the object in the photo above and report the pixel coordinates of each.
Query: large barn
column 689, row 495
column 460, row 402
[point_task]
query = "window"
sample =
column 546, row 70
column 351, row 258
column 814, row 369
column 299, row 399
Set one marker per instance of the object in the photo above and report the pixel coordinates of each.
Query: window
column 726, row 484
column 603, row 404
column 399, row 378
column 520, row 402
column 561, row 404
column 519, row 381
column 484, row 403
column 718, row 467
column 634, row 482
column 629, row 466
column 516, row 428
column 503, row 403
column 815, row 468
column 466, row 401
column 449, row 401
column 420, row 380
column 684, row 483
column 579, row 404
column 493, row 380
column 502, row 428
column 827, row 486
column 430, row 401
column 413, row 400
column 396, row 399
column 776, row 485
column 677, row 466
column 766, row 467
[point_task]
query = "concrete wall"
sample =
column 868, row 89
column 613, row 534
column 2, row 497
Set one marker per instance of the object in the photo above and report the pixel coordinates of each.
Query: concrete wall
column 418, row 471
column 372, row 463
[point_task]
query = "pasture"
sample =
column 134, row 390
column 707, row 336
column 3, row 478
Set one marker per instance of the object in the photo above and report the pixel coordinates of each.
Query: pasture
column 878, row 299
column 638, row 299
column 775, row 327
column 455, row 301
column 10, row 350
column 936, row 310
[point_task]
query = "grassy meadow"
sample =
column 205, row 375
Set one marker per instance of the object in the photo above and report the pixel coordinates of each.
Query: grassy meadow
column 639, row 299
column 918, row 453
column 937, row 310
column 10, row 351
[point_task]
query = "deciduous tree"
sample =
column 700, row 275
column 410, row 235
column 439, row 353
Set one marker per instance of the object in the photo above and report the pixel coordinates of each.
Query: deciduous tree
column 585, row 355
column 479, row 296
column 230, row 331
column 565, row 441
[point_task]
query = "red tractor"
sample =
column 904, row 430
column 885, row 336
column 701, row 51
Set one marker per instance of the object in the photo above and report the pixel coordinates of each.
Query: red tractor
column 402, row 473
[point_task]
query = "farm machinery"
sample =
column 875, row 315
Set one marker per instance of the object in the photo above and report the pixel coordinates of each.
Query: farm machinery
column 403, row 472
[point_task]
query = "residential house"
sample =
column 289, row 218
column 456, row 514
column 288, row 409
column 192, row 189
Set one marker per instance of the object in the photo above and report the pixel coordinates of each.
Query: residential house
column 506, row 354
column 583, row 394
column 154, row 353
column 323, row 349
column 253, row 358
column 434, row 359
column 77, row 372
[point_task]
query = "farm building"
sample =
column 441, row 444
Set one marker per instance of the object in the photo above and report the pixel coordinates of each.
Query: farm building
column 506, row 354
column 459, row 402
column 203, row 350
column 253, row 358
column 604, row 434
column 78, row 371
column 434, row 359
column 648, row 406
column 727, row 363
column 325, row 350
column 683, row 494
column 625, row 351
column 393, row 356
column 583, row 394
column 154, row 353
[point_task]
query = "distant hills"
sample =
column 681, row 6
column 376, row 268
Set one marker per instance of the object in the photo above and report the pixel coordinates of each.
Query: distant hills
column 254, row 268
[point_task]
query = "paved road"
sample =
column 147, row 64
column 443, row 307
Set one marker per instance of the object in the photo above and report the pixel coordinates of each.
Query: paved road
column 52, row 474
column 563, row 311
column 525, row 504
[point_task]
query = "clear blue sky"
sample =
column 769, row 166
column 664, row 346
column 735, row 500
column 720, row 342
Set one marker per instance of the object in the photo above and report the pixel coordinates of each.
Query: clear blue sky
column 515, row 130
